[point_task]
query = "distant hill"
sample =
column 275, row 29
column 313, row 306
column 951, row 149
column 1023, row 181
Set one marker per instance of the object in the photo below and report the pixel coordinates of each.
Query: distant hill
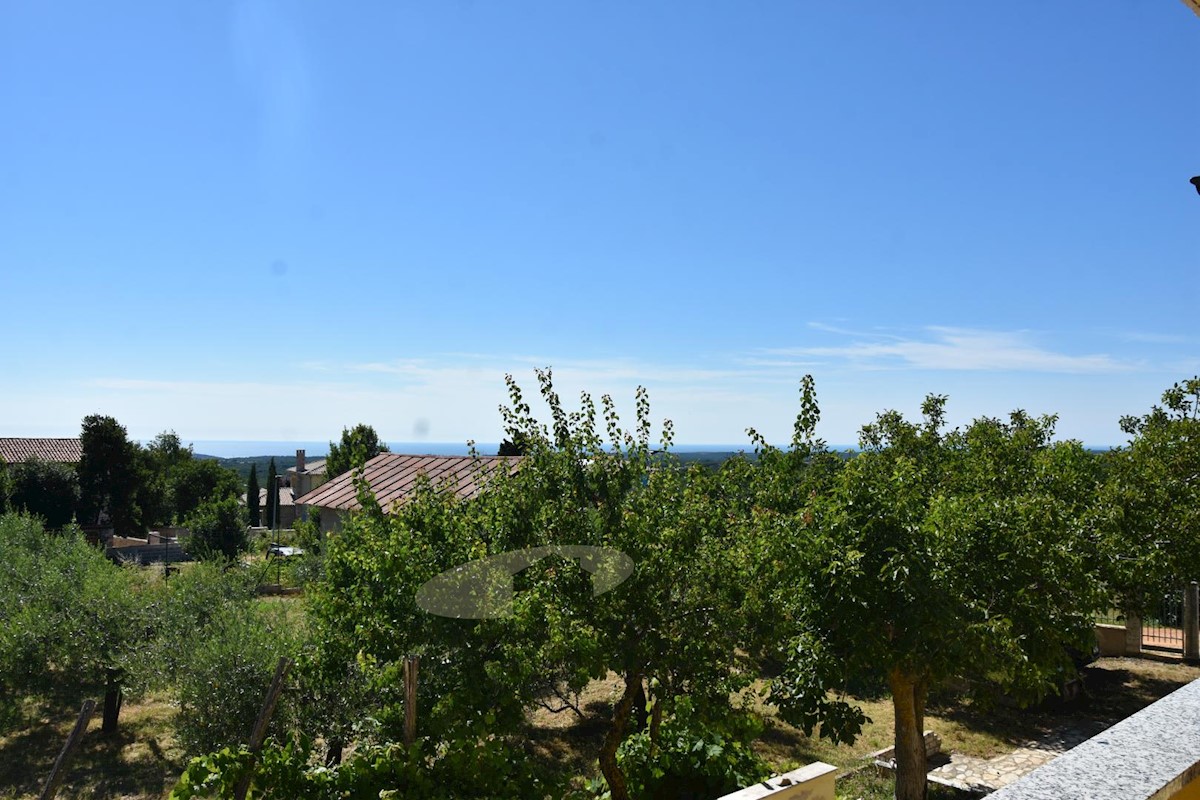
column 242, row 465
column 712, row 459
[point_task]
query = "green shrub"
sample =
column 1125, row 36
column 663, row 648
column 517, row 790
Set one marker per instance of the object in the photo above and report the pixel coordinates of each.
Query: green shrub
column 218, row 529
column 67, row 615
column 182, row 610
column 226, row 674
column 309, row 567
column 694, row 759
column 461, row 770
column 46, row 490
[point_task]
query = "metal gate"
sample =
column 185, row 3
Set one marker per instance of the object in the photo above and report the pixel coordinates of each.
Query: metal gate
column 1163, row 628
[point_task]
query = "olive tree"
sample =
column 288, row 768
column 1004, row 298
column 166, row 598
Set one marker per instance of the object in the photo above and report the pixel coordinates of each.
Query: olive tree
column 71, row 622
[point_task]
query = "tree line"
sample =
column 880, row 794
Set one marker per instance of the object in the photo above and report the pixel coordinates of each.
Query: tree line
column 974, row 556
column 118, row 482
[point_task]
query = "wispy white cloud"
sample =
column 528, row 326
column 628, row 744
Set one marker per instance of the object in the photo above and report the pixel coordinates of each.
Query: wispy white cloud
column 443, row 398
column 943, row 348
column 778, row 363
column 1184, row 367
column 710, row 397
column 861, row 334
column 1149, row 337
column 622, row 371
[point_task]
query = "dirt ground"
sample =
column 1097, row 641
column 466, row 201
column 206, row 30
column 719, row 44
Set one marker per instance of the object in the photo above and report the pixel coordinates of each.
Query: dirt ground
column 142, row 760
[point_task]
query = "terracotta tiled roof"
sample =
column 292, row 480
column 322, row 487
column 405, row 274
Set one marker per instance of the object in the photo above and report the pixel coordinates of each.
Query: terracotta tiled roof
column 65, row 451
column 393, row 476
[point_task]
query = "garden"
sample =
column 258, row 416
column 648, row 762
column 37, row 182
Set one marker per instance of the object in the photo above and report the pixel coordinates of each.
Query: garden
column 801, row 606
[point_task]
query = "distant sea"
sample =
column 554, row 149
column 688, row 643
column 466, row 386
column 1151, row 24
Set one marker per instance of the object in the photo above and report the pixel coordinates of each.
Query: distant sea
column 223, row 448
column 244, row 449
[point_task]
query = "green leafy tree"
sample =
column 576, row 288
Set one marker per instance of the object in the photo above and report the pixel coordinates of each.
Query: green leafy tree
column 672, row 627
column 5, row 485
column 933, row 556
column 692, row 757
column 236, row 651
column 50, row 491
column 362, row 636
column 109, row 475
column 161, row 461
column 358, row 446
column 676, row 624
column 175, row 483
column 1148, row 516
column 481, row 769
column 252, row 510
column 197, row 481
column 512, row 448
column 71, row 622
column 779, row 484
column 272, row 494
column 217, row 529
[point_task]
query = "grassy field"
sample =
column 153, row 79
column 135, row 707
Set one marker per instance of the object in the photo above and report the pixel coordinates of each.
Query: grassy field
column 142, row 760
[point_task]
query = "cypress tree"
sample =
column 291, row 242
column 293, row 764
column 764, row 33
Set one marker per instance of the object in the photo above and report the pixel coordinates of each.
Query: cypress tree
column 272, row 493
column 252, row 496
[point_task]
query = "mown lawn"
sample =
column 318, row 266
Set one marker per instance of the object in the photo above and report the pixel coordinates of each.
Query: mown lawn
column 142, row 760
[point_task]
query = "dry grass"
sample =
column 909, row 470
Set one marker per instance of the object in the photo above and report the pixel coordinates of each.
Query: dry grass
column 139, row 760
column 1116, row 688
column 142, row 760
column 570, row 741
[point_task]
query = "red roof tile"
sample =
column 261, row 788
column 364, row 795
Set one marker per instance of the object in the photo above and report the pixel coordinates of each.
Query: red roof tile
column 65, row 451
column 393, row 477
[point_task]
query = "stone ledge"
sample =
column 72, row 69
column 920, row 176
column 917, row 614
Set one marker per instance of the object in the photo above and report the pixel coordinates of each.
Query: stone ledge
column 1150, row 755
column 812, row 781
column 933, row 746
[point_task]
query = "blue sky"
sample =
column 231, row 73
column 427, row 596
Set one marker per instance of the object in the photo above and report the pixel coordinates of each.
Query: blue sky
column 267, row 220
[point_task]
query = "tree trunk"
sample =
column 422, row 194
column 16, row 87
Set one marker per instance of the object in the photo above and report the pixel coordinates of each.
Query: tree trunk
column 641, row 717
column 112, row 701
column 655, row 725
column 333, row 753
column 612, row 740
column 908, row 700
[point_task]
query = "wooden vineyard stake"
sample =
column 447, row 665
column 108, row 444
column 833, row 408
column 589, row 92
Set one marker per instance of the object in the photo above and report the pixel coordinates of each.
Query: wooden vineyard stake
column 410, row 699
column 64, row 757
column 259, row 735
